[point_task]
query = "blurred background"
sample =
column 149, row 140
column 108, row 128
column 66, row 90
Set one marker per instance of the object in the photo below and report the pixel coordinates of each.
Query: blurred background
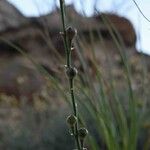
column 112, row 46
column 127, row 9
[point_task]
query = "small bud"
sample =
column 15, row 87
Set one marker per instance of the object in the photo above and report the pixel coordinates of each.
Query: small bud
column 71, row 120
column 72, row 48
column 71, row 33
column 82, row 133
column 71, row 72
column 61, row 33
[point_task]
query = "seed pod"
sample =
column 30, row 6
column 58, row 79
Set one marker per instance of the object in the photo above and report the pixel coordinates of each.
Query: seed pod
column 71, row 72
column 71, row 120
column 82, row 133
column 71, row 33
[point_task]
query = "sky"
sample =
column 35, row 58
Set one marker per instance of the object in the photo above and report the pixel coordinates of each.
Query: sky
column 125, row 8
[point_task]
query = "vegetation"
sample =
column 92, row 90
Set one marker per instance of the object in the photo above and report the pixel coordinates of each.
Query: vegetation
column 116, row 115
column 118, row 127
column 68, row 35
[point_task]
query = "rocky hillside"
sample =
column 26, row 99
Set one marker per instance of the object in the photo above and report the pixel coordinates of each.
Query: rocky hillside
column 10, row 17
column 39, row 38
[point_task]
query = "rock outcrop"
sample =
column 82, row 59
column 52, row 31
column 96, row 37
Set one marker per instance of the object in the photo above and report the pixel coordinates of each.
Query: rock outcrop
column 10, row 17
column 39, row 37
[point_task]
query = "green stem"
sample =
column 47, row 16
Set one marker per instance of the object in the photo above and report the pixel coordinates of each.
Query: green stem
column 62, row 5
column 68, row 61
column 75, row 110
column 72, row 97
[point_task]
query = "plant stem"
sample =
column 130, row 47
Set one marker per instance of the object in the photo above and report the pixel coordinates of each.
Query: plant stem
column 71, row 80
column 62, row 5
column 75, row 112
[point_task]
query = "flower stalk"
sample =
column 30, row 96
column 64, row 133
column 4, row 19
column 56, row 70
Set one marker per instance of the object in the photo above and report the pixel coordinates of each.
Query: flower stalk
column 68, row 35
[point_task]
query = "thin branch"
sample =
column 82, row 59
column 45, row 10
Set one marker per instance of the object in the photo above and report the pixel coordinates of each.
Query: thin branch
column 140, row 10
